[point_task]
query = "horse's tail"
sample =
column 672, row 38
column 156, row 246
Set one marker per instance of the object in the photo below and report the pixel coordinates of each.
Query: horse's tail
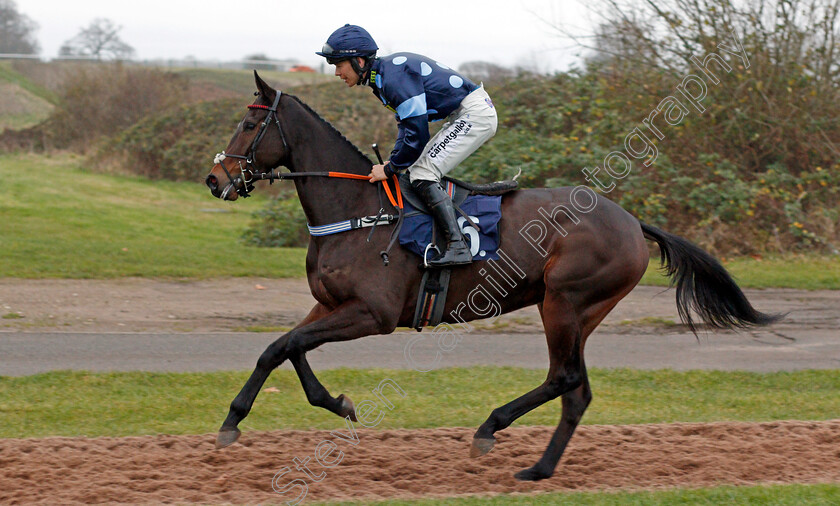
column 704, row 286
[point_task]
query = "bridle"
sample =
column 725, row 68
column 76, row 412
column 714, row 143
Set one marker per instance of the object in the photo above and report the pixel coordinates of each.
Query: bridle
column 244, row 183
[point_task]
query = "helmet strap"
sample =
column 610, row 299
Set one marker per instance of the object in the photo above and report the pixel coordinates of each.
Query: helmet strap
column 362, row 71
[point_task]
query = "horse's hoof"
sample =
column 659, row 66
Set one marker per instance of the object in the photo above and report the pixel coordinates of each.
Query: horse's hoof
column 481, row 446
column 346, row 408
column 531, row 474
column 227, row 437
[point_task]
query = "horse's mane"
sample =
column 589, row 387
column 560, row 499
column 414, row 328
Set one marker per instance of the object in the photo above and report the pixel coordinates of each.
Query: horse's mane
column 330, row 127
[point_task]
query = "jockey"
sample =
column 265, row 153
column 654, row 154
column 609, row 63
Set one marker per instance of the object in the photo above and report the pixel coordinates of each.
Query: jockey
column 419, row 90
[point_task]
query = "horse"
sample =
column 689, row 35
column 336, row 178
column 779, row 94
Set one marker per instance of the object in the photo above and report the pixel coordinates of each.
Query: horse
column 585, row 257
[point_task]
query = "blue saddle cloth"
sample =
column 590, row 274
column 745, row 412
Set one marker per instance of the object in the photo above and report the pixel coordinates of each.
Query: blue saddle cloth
column 486, row 211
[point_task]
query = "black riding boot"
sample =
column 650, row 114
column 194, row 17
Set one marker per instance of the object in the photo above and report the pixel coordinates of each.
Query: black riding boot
column 457, row 250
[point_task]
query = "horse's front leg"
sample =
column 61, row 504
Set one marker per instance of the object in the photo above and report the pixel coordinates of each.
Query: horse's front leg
column 317, row 394
column 351, row 320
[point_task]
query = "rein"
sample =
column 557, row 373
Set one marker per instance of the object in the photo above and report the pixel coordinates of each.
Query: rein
column 394, row 197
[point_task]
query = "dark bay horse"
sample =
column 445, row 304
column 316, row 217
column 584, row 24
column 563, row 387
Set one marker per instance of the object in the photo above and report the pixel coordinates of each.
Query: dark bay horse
column 573, row 254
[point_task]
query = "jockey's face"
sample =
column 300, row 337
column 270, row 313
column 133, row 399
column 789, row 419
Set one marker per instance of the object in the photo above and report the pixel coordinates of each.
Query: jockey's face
column 344, row 70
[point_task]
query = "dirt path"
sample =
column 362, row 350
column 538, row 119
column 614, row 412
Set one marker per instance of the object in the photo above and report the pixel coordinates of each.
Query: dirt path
column 153, row 325
column 143, row 305
column 411, row 463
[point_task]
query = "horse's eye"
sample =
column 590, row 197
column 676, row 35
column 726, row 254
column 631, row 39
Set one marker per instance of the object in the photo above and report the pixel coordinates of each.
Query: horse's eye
column 249, row 126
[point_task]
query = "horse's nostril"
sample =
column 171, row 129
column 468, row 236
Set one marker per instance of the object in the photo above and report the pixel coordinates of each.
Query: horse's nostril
column 212, row 182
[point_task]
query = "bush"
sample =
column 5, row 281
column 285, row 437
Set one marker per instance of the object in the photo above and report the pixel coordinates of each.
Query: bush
column 97, row 101
column 281, row 224
column 177, row 144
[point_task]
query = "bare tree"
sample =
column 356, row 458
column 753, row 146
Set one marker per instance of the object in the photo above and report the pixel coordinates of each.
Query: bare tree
column 99, row 40
column 667, row 33
column 17, row 31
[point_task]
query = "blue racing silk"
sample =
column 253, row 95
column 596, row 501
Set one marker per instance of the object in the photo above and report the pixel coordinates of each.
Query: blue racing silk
column 418, row 90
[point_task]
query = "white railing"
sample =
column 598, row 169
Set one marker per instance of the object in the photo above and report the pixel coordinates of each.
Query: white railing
column 279, row 65
column 13, row 56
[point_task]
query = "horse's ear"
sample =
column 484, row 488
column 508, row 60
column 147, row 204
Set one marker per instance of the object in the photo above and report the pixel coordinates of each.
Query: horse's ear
column 265, row 90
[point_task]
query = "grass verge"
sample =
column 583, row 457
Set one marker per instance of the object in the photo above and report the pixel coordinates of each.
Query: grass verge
column 778, row 495
column 64, row 222
column 803, row 272
column 136, row 403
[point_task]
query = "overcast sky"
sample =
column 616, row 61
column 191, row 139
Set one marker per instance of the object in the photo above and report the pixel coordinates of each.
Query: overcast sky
column 508, row 32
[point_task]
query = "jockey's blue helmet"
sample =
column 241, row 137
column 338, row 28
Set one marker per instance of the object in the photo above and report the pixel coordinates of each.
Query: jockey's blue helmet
column 347, row 42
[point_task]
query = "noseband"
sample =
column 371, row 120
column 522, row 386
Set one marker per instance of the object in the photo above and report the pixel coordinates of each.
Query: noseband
column 244, row 183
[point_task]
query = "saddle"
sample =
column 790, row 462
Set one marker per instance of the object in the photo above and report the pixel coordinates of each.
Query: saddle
column 435, row 283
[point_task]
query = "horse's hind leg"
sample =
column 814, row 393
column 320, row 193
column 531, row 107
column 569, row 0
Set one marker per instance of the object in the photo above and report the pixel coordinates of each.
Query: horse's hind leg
column 574, row 404
column 565, row 373
column 575, row 401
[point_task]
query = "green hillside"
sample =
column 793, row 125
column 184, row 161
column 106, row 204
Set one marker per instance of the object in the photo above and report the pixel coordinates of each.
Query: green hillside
column 65, row 222
column 22, row 102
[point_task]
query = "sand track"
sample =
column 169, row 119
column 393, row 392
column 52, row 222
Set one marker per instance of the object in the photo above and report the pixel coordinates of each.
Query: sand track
column 412, row 463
